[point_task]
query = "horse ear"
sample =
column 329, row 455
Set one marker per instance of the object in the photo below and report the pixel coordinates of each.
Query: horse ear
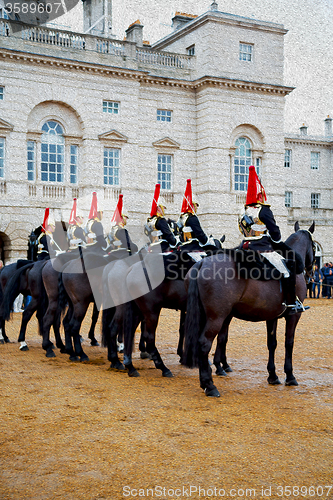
column 296, row 226
column 312, row 227
column 222, row 239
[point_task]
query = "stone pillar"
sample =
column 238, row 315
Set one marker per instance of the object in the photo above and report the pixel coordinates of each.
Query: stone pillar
column 303, row 130
column 134, row 33
column 328, row 127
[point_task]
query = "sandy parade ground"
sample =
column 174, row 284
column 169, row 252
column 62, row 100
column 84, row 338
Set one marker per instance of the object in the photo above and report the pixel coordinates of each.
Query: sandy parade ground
column 81, row 431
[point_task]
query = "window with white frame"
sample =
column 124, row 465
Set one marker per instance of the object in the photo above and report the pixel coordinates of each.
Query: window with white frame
column 242, row 161
column 288, row 199
column 2, row 90
column 287, row 158
column 31, row 160
column 315, row 157
column 111, row 166
column 164, row 171
column 245, row 51
column 74, row 160
column 111, row 107
column 164, row 115
column 2, row 157
column 315, row 200
column 52, row 150
column 191, row 50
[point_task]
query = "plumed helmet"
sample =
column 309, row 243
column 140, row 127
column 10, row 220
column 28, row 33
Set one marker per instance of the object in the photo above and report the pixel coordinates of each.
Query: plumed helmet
column 118, row 213
column 153, row 211
column 255, row 190
column 187, row 205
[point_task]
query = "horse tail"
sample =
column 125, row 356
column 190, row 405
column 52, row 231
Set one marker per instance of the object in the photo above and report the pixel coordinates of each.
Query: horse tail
column 106, row 322
column 131, row 320
column 63, row 297
column 43, row 303
column 12, row 290
column 194, row 321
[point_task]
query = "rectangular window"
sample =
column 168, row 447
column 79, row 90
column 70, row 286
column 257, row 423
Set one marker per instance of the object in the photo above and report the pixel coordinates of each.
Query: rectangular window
column 52, row 164
column 111, row 166
column 31, row 160
column 74, row 157
column 288, row 199
column 163, row 115
column 111, row 107
column 2, row 157
column 315, row 200
column 245, row 52
column 287, row 158
column 164, row 171
column 191, row 50
column 1, row 93
column 315, row 160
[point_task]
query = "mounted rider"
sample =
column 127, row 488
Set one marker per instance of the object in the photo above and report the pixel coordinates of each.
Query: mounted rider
column 193, row 237
column 75, row 232
column 45, row 241
column 94, row 228
column 157, row 227
column 119, row 237
column 257, row 224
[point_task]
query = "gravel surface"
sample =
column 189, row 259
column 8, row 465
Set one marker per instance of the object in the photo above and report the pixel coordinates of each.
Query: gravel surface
column 80, row 431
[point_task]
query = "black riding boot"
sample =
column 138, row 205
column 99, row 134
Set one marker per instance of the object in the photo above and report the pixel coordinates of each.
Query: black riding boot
column 291, row 301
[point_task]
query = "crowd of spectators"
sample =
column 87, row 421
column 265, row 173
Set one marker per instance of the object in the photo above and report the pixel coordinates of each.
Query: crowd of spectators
column 321, row 283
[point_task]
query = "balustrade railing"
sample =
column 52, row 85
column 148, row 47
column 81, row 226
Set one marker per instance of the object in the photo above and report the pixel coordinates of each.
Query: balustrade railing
column 169, row 59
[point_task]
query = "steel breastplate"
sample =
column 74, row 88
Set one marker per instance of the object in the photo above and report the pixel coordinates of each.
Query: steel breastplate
column 257, row 228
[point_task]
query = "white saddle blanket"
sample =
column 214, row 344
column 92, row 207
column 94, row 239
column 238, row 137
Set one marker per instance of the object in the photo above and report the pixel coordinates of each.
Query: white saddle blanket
column 278, row 262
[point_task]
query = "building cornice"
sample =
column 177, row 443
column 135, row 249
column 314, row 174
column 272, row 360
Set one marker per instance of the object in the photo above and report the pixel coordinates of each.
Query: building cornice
column 143, row 77
column 309, row 141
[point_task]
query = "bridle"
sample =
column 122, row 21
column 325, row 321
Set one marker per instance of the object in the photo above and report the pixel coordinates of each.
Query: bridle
column 309, row 268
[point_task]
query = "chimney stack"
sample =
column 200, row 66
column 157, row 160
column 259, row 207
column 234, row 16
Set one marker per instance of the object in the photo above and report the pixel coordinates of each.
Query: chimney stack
column 214, row 6
column 303, row 130
column 180, row 19
column 134, row 33
column 328, row 127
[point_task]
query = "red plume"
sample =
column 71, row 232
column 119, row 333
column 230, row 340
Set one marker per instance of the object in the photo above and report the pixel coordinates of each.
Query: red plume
column 45, row 221
column 255, row 190
column 93, row 208
column 187, row 205
column 72, row 217
column 155, row 200
column 117, row 216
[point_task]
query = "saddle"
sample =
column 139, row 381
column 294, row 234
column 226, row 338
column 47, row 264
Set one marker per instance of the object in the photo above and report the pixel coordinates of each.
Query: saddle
column 250, row 264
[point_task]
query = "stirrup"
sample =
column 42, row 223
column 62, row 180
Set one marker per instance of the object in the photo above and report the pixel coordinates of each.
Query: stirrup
column 298, row 307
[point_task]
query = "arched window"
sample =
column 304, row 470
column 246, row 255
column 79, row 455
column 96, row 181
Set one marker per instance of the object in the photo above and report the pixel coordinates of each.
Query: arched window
column 242, row 161
column 52, row 149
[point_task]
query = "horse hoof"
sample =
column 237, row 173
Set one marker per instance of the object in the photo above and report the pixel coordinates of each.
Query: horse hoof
column 212, row 393
column 220, row 372
column 2, row 341
column 117, row 366
column 167, row 374
column 84, row 359
column 24, row 348
column 145, row 355
column 228, row 369
column 94, row 343
column 292, row 381
column 133, row 373
column 50, row 354
column 63, row 350
column 73, row 358
column 7, row 341
column 273, row 381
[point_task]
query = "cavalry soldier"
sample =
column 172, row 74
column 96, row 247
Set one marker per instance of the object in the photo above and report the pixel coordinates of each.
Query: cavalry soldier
column 75, row 233
column 193, row 236
column 119, row 237
column 157, row 228
column 262, row 234
column 45, row 240
column 94, row 228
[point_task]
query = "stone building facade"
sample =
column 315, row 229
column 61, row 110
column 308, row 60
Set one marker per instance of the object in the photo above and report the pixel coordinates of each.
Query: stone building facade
column 82, row 113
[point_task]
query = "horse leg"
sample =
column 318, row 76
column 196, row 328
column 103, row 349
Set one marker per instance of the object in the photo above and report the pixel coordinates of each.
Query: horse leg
column 149, row 334
column 69, row 349
column 271, row 327
column 220, row 357
column 75, row 325
column 3, row 337
column 212, row 328
column 142, row 343
column 291, row 322
column 181, row 334
column 48, row 320
column 116, row 326
column 56, row 328
column 26, row 316
column 94, row 319
column 130, row 328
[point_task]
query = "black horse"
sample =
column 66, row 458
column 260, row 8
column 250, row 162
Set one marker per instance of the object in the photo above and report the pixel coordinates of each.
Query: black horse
column 216, row 294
